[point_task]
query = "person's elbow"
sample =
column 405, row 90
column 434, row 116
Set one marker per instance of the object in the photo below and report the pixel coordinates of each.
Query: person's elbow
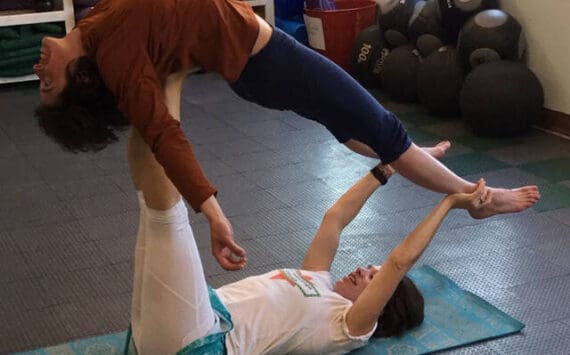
column 401, row 260
column 334, row 218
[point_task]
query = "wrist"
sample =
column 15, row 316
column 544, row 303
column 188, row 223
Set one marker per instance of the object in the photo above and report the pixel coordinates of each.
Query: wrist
column 382, row 173
column 212, row 209
column 449, row 202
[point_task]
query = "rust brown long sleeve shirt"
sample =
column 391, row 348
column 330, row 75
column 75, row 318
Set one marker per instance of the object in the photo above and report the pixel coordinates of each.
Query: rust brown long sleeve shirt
column 138, row 43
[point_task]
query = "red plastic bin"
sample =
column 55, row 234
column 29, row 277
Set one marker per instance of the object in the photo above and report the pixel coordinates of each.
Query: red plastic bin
column 332, row 32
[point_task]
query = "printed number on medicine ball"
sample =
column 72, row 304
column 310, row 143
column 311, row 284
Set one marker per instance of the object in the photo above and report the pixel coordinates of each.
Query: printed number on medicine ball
column 440, row 79
column 400, row 72
column 491, row 35
column 377, row 64
column 394, row 18
column 454, row 13
column 425, row 30
column 501, row 98
column 366, row 50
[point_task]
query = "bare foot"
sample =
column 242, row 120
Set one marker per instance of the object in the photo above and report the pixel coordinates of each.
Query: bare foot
column 499, row 201
column 438, row 150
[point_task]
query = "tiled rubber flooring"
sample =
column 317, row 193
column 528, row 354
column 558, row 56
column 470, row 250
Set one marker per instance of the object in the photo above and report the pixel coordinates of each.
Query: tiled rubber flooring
column 68, row 222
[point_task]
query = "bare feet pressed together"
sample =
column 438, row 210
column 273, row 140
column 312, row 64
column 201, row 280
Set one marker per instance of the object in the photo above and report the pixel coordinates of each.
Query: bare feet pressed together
column 495, row 200
column 499, row 201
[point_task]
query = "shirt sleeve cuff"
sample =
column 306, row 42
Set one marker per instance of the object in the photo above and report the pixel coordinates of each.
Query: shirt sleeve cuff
column 197, row 199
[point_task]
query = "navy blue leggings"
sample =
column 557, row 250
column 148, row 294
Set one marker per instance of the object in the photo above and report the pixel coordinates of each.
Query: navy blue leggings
column 286, row 75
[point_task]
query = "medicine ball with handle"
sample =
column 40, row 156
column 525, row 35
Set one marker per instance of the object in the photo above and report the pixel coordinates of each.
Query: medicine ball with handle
column 425, row 30
column 394, row 19
column 491, row 35
column 454, row 13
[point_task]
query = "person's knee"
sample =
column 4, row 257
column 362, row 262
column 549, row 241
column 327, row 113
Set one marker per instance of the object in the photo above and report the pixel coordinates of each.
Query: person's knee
column 393, row 139
column 159, row 193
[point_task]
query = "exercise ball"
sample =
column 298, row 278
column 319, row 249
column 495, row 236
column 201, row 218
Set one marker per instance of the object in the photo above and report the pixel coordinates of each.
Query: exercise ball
column 394, row 18
column 440, row 78
column 491, row 35
column 454, row 13
column 425, row 30
column 367, row 50
column 400, row 72
column 501, row 98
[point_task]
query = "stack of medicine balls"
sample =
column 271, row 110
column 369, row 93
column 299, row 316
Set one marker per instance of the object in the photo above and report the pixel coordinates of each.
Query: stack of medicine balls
column 457, row 57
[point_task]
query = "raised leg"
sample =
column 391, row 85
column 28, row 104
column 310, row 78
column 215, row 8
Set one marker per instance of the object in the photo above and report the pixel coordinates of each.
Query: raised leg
column 315, row 88
column 170, row 306
column 423, row 169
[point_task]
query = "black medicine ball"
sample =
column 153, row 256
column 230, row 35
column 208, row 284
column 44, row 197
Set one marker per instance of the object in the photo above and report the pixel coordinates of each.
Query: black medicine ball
column 377, row 64
column 399, row 75
column 425, row 30
column 501, row 98
column 394, row 18
column 491, row 35
column 366, row 50
column 440, row 79
column 454, row 13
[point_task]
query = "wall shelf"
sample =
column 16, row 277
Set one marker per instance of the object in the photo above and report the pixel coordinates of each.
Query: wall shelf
column 63, row 12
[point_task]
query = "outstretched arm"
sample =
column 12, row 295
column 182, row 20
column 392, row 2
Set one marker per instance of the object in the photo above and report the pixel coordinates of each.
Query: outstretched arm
column 323, row 248
column 364, row 313
column 160, row 193
column 221, row 231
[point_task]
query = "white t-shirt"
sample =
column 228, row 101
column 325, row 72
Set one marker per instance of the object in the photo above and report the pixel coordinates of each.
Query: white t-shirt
column 288, row 311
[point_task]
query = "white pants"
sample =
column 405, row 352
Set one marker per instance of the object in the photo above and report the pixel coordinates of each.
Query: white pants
column 170, row 305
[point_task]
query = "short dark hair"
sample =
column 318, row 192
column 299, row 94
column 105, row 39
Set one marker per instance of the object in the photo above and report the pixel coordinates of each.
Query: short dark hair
column 404, row 311
column 86, row 116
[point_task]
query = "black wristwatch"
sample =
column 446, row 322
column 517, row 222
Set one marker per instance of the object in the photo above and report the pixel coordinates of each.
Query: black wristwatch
column 379, row 174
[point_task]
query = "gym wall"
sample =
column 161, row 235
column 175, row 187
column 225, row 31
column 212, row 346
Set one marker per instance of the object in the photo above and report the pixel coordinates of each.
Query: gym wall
column 546, row 25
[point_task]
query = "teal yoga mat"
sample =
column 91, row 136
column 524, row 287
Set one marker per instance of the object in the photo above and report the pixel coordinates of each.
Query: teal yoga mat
column 454, row 317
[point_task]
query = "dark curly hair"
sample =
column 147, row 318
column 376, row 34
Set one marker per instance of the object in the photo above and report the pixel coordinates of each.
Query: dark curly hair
column 405, row 310
column 86, row 116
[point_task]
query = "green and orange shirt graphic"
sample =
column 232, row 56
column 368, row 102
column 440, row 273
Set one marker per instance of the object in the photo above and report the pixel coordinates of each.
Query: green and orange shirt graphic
column 296, row 279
